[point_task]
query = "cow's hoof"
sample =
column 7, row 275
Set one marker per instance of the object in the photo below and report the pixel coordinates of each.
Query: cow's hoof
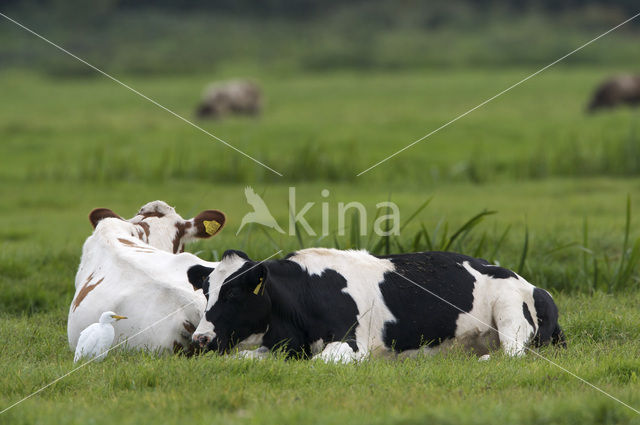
column 484, row 358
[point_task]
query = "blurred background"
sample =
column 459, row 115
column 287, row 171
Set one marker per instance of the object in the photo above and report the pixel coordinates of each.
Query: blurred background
column 343, row 84
column 161, row 37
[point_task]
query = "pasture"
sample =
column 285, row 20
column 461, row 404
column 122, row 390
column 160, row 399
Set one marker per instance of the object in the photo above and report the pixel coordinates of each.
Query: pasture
column 557, row 179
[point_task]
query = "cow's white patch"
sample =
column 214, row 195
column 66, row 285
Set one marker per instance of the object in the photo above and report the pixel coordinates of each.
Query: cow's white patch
column 338, row 352
column 363, row 273
column 258, row 353
column 204, row 329
column 252, row 340
column 163, row 225
column 497, row 304
column 226, row 268
column 317, row 346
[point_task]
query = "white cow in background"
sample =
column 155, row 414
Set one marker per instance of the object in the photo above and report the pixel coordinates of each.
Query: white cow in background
column 137, row 267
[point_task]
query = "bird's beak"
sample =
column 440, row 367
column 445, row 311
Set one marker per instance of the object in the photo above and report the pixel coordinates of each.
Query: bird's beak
column 115, row 316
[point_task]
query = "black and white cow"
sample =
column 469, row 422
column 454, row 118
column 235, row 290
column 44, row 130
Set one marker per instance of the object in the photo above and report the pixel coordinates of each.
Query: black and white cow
column 344, row 305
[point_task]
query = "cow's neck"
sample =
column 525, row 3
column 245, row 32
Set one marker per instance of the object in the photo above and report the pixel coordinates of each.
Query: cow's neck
column 288, row 323
column 292, row 316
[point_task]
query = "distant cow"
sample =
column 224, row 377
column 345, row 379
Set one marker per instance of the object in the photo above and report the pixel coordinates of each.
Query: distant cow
column 616, row 91
column 343, row 305
column 136, row 267
column 236, row 97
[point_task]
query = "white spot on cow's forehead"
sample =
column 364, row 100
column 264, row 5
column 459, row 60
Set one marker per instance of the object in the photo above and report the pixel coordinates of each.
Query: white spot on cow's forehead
column 228, row 266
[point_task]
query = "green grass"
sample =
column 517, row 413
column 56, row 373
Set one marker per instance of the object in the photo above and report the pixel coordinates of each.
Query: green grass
column 133, row 388
column 68, row 146
column 45, row 223
column 318, row 127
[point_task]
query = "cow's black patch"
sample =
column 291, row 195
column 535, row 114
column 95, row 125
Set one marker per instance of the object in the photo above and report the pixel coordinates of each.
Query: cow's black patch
column 231, row 252
column 527, row 314
column 296, row 308
column 495, row 272
column 238, row 312
column 308, row 308
column 199, row 277
column 422, row 317
column 549, row 330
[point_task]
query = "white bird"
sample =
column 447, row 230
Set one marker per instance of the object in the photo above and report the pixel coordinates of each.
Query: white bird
column 97, row 338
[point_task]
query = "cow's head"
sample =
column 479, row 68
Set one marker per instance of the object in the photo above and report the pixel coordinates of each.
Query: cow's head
column 160, row 226
column 238, row 304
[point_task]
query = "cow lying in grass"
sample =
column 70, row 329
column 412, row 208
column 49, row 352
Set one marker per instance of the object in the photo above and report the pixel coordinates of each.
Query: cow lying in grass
column 344, row 305
column 136, row 267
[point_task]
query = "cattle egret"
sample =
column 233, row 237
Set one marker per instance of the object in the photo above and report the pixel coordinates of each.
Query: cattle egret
column 96, row 339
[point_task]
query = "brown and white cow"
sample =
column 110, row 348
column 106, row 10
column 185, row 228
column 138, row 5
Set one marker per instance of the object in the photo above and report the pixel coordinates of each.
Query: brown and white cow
column 137, row 267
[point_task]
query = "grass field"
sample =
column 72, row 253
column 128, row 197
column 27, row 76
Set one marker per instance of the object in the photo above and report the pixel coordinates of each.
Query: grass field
column 550, row 171
column 336, row 125
column 130, row 389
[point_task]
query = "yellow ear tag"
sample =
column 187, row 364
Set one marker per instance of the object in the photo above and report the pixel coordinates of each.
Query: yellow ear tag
column 255, row 291
column 211, row 227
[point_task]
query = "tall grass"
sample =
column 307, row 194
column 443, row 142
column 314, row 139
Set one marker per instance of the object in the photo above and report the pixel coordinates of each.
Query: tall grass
column 597, row 270
column 308, row 162
column 611, row 273
column 35, row 279
column 315, row 162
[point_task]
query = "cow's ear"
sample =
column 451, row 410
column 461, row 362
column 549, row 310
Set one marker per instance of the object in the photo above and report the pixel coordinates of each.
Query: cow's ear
column 99, row 213
column 198, row 274
column 208, row 223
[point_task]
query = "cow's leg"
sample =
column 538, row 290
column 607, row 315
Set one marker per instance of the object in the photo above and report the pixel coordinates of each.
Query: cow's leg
column 339, row 352
column 258, row 353
column 515, row 332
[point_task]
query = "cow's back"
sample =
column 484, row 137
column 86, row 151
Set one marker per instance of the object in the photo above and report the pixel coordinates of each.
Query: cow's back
column 150, row 288
column 440, row 296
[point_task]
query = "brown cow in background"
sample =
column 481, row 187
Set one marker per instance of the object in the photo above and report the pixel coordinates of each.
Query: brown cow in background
column 236, row 97
column 616, row 91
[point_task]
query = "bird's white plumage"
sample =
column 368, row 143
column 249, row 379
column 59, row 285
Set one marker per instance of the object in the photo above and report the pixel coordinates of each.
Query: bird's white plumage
column 97, row 338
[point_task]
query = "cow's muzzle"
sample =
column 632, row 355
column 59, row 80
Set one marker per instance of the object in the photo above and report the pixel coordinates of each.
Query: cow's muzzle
column 202, row 340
